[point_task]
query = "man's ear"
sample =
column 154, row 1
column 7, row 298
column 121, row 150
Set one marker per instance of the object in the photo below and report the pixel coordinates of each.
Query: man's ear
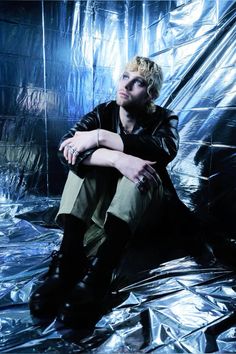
column 149, row 98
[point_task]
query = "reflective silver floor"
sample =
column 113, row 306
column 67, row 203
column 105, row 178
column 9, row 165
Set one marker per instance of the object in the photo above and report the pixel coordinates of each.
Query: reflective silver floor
column 181, row 305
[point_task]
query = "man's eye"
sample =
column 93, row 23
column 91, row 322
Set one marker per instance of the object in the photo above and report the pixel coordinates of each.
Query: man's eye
column 125, row 77
column 140, row 83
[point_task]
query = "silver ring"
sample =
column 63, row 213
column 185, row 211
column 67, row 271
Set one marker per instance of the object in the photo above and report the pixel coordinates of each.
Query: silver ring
column 143, row 180
column 75, row 152
column 140, row 186
column 71, row 149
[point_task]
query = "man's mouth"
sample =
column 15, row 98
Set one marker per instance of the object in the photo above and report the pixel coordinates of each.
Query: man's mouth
column 123, row 94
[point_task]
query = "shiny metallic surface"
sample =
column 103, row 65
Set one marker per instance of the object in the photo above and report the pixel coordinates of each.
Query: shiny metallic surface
column 58, row 59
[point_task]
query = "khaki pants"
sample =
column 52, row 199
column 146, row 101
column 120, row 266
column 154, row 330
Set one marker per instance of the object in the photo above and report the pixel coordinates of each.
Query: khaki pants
column 104, row 191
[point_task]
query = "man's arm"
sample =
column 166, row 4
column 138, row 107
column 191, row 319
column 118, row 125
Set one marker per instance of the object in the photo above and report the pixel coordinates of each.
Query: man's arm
column 113, row 156
column 161, row 146
column 129, row 166
column 88, row 125
column 83, row 141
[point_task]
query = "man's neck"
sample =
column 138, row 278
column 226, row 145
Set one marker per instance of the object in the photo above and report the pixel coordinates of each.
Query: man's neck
column 127, row 119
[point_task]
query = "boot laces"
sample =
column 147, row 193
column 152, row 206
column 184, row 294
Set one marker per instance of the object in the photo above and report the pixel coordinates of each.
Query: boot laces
column 55, row 262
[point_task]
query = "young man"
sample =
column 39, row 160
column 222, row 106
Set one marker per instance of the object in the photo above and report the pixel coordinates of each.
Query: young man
column 117, row 155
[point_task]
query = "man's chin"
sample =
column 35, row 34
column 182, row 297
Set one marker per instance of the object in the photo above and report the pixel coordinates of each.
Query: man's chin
column 122, row 103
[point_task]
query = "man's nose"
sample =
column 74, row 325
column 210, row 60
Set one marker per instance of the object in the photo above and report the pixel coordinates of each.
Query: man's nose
column 129, row 85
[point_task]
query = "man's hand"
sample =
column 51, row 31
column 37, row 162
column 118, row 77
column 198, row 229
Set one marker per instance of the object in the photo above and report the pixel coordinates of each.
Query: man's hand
column 80, row 142
column 137, row 170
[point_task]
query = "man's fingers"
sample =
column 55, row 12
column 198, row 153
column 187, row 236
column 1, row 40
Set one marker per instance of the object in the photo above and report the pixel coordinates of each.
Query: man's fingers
column 149, row 174
column 65, row 152
column 70, row 154
column 152, row 177
column 156, row 179
column 64, row 144
column 74, row 155
column 151, row 162
column 149, row 168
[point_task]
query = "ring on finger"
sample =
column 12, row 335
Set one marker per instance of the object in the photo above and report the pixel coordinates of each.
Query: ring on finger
column 71, row 149
column 143, row 180
column 140, row 186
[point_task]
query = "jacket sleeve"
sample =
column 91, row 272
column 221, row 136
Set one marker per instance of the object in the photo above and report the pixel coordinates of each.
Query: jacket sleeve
column 161, row 145
column 90, row 121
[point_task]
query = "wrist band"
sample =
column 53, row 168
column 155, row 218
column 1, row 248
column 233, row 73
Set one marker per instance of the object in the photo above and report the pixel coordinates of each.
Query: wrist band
column 98, row 138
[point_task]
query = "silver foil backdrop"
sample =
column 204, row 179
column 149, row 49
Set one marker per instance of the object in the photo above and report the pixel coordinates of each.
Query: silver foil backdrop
column 58, row 60
column 61, row 58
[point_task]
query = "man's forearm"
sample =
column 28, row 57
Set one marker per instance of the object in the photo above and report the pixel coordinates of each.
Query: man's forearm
column 103, row 157
column 131, row 167
column 110, row 140
column 110, row 151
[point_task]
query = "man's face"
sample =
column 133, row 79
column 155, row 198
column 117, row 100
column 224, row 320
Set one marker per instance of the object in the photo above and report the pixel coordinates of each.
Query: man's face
column 132, row 91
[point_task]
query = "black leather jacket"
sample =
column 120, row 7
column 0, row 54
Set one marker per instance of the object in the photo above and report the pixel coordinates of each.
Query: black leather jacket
column 155, row 137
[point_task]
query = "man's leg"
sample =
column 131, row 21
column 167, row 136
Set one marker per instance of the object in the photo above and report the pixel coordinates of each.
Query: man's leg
column 69, row 264
column 135, row 208
column 128, row 210
column 128, row 207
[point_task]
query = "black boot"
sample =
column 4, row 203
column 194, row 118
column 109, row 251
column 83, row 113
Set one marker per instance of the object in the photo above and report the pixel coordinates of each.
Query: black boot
column 67, row 267
column 83, row 305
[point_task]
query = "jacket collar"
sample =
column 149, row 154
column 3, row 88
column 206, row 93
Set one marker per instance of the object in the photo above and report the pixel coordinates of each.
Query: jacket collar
column 148, row 120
